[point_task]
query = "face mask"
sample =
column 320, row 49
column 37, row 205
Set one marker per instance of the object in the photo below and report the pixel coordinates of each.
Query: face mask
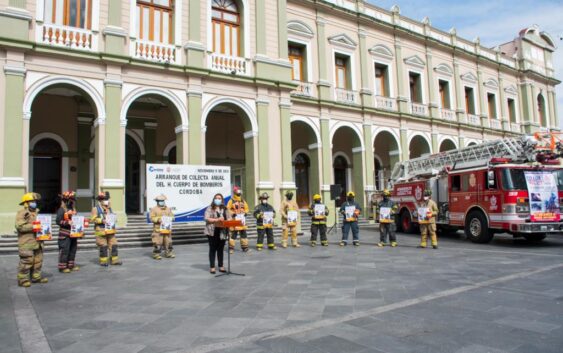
column 238, row 193
column 289, row 196
column 385, row 198
column 317, row 201
column 264, row 202
column 70, row 204
column 350, row 199
column 217, row 202
column 160, row 203
column 105, row 203
column 426, row 198
column 32, row 205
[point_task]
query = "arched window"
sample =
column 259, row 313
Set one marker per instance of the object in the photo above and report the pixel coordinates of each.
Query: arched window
column 541, row 111
column 47, row 173
column 72, row 13
column 226, row 27
column 154, row 20
column 172, row 156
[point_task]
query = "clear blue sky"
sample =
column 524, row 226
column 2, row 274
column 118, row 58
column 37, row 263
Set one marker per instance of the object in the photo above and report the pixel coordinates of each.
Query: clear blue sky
column 494, row 21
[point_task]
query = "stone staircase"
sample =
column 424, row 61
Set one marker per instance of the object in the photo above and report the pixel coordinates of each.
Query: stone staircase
column 137, row 233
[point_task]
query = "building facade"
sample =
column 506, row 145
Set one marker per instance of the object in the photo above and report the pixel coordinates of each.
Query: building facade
column 291, row 94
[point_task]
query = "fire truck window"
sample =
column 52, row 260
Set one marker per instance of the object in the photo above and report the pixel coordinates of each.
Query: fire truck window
column 486, row 181
column 465, row 183
column 456, row 183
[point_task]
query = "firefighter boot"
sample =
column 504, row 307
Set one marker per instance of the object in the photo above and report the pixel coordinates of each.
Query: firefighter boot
column 104, row 256
column 343, row 243
column 294, row 242
column 36, row 278
column 381, row 244
column 394, row 244
column 313, row 243
column 324, row 242
column 66, row 270
column 25, row 284
column 356, row 243
column 115, row 261
column 156, row 253
column 284, row 238
column 244, row 244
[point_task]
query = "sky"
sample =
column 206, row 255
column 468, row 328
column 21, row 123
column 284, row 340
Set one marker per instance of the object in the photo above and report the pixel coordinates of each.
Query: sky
column 493, row 21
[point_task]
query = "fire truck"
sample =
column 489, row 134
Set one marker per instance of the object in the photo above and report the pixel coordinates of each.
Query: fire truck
column 512, row 185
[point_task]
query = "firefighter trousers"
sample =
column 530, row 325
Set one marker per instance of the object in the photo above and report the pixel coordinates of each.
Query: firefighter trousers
column 315, row 230
column 387, row 230
column 285, row 230
column 243, row 239
column 29, row 267
column 346, row 230
column 107, row 244
column 67, row 252
column 424, row 230
column 270, row 237
column 161, row 242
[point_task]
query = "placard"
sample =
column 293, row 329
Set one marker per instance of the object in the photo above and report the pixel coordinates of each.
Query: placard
column 423, row 215
column 385, row 215
column 165, row 225
column 350, row 212
column 544, row 200
column 292, row 217
column 320, row 211
column 110, row 223
column 241, row 217
column 45, row 230
column 268, row 219
column 77, row 227
column 189, row 188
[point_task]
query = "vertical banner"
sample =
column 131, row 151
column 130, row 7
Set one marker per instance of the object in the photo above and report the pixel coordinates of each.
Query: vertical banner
column 189, row 188
column 543, row 195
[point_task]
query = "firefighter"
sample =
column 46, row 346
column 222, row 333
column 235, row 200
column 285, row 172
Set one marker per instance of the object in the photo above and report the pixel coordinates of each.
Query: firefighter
column 387, row 226
column 30, row 249
column 431, row 226
column 318, row 221
column 161, row 238
column 288, row 205
column 264, row 214
column 238, row 209
column 105, row 231
column 350, row 211
column 67, row 245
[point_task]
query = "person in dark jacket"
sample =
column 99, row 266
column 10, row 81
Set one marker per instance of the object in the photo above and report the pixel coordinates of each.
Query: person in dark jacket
column 350, row 211
column 265, row 214
column 387, row 209
column 67, row 244
column 214, row 215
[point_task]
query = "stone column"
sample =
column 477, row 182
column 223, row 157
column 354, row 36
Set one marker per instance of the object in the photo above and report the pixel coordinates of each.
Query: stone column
column 282, row 29
column 288, row 183
column 250, row 142
column 365, row 92
column 369, row 158
column 150, row 143
column 182, row 138
column 459, row 93
column 114, row 154
column 484, row 114
column 114, row 33
column 402, row 97
column 84, row 192
column 404, row 144
column 14, row 144
column 196, row 140
column 433, row 105
column 552, row 104
column 261, row 27
column 358, row 176
column 323, row 84
column 15, row 21
column 195, row 49
column 265, row 182
column 328, row 172
column 315, row 169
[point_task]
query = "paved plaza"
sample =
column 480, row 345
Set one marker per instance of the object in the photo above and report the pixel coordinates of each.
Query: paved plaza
column 506, row 296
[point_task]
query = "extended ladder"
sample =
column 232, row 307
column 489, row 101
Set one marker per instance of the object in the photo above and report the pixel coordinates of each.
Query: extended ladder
column 518, row 149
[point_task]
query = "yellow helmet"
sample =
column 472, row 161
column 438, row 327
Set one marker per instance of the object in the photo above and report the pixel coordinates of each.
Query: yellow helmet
column 316, row 197
column 386, row 192
column 351, row 194
column 30, row 196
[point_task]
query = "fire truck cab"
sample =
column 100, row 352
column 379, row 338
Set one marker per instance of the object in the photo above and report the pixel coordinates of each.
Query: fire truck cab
column 486, row 189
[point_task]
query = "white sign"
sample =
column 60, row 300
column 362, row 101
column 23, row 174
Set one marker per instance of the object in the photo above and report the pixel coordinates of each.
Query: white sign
column 189, row 188
column 165, row 224
column 110, row 222
column 385, row 215
column 241, row 217
column 77, row 227
column 349, row 212
column 268, row 219
column 423, row 215
column 544, row 199
column 320, row 211
column 292, row 217
column 45, row 231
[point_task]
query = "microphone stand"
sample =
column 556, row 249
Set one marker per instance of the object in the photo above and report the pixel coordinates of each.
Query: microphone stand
column 228, row 272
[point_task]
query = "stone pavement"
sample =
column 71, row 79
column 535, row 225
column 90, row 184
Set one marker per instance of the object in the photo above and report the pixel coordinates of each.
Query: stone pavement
column 506, row 296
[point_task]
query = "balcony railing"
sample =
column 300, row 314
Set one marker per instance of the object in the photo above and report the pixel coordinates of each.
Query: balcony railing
column 154, row 51
column 447, row 114
column 516, row 127
column 229, row 64
column 496, row 124
column 419, row 109
column 463, row 119
column 304, row 89
column 346, row 96
column 473, row 120
column 66, row 36
column 386, row 103
column 486, row 123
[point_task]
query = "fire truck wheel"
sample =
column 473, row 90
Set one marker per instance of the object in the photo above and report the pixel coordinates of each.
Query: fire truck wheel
column 405, row 222
column 477, row 229
column 535, row 238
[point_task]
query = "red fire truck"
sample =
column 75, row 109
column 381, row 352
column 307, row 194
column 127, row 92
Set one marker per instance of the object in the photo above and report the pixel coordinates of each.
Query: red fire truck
column 510, row 186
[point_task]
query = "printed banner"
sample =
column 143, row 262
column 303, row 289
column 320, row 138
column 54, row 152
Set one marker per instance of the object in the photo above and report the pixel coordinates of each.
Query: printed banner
column 544, row 200
column 45, row 230
column 385, row 215
column 189, row 188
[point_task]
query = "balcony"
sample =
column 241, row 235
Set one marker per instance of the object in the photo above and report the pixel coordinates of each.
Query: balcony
column 496, row 124
column 67, row 37
column 304, row 89
column 233, row 65
column 154, row 51
column 447, row 114
column 516, row 128
column 473, row 120
column 346, row 96
column 386, row 103
column 419, row 109
column 486, row 123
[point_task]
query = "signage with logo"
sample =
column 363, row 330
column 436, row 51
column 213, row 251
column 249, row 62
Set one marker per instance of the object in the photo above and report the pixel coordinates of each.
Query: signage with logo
column 544, row 199
column 189, row 188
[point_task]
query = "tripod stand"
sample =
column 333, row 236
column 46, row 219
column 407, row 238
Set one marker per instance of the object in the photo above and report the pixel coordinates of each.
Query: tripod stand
column 228, row 272
column 336, row 215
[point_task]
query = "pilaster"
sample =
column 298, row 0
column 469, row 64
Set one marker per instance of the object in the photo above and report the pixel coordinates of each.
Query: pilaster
column 15, row 21
column 196, row 132
column 402, row 96
column 194, row 48
column 324, row 84
column 365, row 92
column 84, row 191
column 327, row 175
column 433, row 104
column 150, row 143
column 459, row 101
column 114, row 33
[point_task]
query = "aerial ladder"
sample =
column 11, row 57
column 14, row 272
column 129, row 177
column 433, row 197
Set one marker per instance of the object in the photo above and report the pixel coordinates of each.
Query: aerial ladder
column 540, row 147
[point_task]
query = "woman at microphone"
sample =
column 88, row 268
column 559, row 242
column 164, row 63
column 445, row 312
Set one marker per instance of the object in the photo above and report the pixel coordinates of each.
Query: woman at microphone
column 215, row 214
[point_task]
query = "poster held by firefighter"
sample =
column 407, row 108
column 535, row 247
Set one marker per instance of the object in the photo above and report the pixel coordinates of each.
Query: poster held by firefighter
column 543, row 195
column 189, row 188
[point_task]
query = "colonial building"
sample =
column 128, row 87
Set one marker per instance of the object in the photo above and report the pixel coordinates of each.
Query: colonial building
column 291, row 94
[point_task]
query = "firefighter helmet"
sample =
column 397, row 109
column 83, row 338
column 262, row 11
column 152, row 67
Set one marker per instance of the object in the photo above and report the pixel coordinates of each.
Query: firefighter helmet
column 386, row 192
column 427, row 192
column 161, row 197
column 316, row 197
column 30, row 196
column 289, row 193
column 236, row 189
column 351, row 194
column 101, row 196
column 264, row 196
column 68, row 195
